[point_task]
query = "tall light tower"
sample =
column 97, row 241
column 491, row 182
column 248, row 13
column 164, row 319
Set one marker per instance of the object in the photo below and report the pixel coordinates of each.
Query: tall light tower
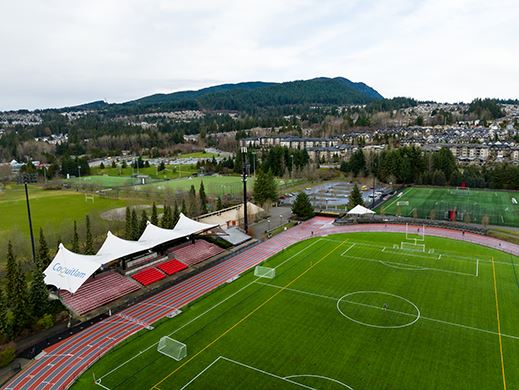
column 26, row 178
column 244, row 177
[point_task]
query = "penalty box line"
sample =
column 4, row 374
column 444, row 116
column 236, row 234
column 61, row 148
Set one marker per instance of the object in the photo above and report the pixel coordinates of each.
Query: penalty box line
column 203, row 313
column 417, row 268
column 327, row 297
column 248, row 367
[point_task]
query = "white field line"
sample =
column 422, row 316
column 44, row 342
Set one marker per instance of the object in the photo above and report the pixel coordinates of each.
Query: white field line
column 477, row 267
column 406, row 266
column 201, row 372
column 343, row 253
column 395, row 311
column 201, row 314
column 395, row 199
column 268, row 373
column 449, row 255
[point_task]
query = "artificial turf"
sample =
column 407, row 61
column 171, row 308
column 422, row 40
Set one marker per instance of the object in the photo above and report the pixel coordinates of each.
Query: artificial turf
column 344, row 310
column 472, row 205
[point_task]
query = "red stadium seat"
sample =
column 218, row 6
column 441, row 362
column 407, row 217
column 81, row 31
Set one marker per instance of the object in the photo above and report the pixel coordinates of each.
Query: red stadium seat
column 172, row 266
column 148, row 276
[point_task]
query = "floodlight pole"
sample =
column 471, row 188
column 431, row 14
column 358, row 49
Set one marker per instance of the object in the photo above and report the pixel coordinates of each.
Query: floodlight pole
column 25, row 179
column 244, row 177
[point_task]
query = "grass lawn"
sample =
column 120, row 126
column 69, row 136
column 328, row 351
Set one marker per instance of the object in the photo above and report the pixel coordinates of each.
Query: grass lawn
column 344, row 311
column 171, row 172
column 51, row 210
column 197, row 155
column 472, row 205
column 214, row 185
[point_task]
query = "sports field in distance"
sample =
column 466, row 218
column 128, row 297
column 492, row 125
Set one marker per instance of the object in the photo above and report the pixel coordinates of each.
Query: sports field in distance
column 348, row 311
column 50, row 209
column 471, row 205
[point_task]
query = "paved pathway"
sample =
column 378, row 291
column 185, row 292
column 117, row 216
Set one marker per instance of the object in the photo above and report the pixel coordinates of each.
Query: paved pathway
column 64, row 362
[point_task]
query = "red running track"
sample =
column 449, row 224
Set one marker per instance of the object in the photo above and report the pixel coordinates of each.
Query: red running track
column 65, row 361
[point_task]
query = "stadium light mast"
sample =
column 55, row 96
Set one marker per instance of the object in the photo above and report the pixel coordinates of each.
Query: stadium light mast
column 244, row 177
column 24, row 179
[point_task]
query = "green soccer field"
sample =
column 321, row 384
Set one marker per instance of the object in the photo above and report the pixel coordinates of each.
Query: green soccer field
column 51, row 209
column 472, row 206
column 347, row 311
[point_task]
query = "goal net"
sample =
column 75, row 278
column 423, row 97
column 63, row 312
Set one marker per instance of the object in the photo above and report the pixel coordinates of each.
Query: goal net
column 402, row 203
column 411, row 246
column 172, row 348
column 264, row 272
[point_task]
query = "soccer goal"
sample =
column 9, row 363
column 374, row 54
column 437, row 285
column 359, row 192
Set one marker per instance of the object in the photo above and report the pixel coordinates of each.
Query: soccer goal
column 89, row 198
column 402, row 203
column 264, row 272
column 412, row 246
column 172, row 348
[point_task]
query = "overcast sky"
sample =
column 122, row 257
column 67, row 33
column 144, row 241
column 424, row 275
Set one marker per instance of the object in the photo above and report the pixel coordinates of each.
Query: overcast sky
column 60, row 52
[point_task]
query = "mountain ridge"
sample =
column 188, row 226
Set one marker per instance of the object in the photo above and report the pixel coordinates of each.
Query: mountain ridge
column 251, row 94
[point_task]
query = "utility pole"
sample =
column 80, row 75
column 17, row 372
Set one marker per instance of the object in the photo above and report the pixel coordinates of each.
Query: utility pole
column 244, row 177
column 26, row 178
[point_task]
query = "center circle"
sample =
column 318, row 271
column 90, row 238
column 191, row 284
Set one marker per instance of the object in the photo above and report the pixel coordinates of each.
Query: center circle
column 378, row 309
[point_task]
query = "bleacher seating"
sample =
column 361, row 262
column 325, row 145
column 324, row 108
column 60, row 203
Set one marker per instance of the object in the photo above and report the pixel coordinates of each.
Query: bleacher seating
column 148, row 276
column 98, row 291
column 191, row 254
column 171, row 267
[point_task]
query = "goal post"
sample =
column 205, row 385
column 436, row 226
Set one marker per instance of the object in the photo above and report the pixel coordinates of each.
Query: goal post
column 411, row 246
column 172, row 348
column 264, row 272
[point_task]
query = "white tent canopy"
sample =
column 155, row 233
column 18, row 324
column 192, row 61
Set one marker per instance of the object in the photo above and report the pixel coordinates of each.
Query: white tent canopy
column 114, row 248
column 69, row 270
column 360, row 210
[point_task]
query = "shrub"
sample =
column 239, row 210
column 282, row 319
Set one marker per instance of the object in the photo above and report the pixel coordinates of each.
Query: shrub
column 45, row 322
column 7, row 353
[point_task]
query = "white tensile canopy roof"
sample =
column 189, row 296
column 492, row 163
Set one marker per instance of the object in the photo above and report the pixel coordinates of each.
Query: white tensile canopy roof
column 360, row 210
column 69, row 270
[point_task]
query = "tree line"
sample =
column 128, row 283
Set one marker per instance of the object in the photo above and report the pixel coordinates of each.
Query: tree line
column 410, row 165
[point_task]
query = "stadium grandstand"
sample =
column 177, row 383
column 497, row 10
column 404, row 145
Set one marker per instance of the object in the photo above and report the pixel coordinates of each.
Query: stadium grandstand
column 121, row 267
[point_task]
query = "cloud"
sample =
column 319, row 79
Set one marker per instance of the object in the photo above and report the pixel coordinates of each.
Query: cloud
column 57, row 52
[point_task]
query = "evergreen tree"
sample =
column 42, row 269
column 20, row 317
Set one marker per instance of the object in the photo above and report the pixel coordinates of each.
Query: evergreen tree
column 3, row 315
column 10, row 272
column 302, row 206
column 264, row 188
column 89, row 242
column 175, row 216
column 143, row 223
column 193, row 204
column 19, row 300
column 43, row 258
column 75, row 239
column 219, row 204
column 355, row 197
column 128, row 230
column 38, row 293
column 203, row 198
column 135, row 226
column 183, row 208
column 154, row 215
column 165, row 222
